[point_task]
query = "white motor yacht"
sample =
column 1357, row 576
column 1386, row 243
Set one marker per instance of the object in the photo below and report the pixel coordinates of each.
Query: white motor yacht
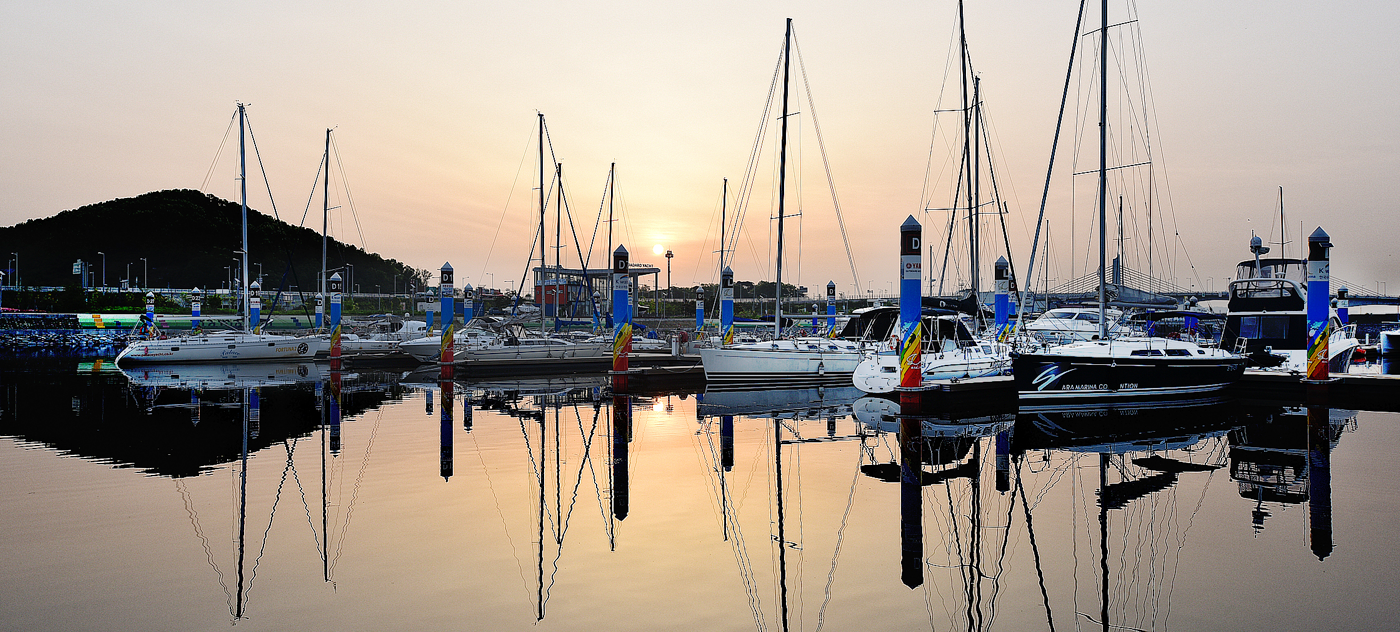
column 1070, row 324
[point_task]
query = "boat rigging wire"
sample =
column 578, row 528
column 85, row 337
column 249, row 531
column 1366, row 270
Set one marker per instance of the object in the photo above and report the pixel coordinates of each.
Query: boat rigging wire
column 826, row 163
column 215, row 163
column 355, row 491
column 203, row 539
column 505, row 528
column 510, row 194
column 1054, row 145
column 841, row 533
column 262, row 168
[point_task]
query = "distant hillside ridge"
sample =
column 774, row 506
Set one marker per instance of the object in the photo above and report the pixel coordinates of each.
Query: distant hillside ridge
column 189, row 239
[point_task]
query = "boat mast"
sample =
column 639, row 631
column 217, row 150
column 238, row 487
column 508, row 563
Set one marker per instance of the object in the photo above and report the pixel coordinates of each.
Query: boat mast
column 1103, row 167
column 558, row 221
column 325, row 213
column 976, row 177
column 612, row 188
column 1282, row 225
column 723, row 211
column 243, row 197
column 782, row 181
column 967, row 147
column 542, row 211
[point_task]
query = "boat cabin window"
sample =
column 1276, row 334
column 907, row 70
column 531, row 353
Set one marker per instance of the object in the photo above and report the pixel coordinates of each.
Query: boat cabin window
column 1089, row 316
column 1147, row 352
column 1179, row 352
column 1060, row 313
column 1266, row 326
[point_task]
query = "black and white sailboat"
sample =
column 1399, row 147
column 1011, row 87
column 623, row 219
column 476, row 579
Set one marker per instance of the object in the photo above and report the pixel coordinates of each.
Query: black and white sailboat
column 1118, row 368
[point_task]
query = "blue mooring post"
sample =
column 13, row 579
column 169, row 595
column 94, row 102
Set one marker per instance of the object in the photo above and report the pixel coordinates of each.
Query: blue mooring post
column 335, row 413
column 151, row 311
column 1319, row 300
column 430, row 320
column 255, row 306
column 468, row 303
column 196, row 303
column 911, row 506
column 622, row 317
column 910, row 310
column 335, row 286
column 1319, row 477
column 254, row 413
column 699, row 309
column 320, row 311
column 831, row 309
column 445, row 423
column 726, row 306
column 448, row 311
column 1003, row 455
column 1343, row 306
column 1001, row 303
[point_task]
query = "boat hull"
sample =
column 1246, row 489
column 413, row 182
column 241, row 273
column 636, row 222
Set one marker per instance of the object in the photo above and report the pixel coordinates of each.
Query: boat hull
column 1059, row 377
column 785, row 366
column 879, row 373
column 219, row 347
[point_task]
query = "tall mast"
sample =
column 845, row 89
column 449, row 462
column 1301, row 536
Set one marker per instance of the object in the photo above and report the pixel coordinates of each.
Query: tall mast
column 782, row 182
column 1282, row 225
column 558, row 214
column 1103, row 167
column 967, row 143
column 976, row 189
column 723, row 210
column 325, row 213
column 542, row 210
column 243, row 197
column 612, row 188
column 558, row 220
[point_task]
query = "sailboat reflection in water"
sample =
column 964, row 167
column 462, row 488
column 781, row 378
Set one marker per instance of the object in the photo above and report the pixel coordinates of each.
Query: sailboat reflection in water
column 1128, row 468
column 786, row 410
column 215, row 394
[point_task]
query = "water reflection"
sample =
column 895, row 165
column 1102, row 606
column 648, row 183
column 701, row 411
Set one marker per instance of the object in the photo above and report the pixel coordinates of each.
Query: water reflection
column 1142, row 452
column 818, row 495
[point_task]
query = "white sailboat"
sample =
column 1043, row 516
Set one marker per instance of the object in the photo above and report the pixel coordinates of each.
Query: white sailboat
column 791, row 361
column 248, row 344
column 950, row 353
column 950, row 349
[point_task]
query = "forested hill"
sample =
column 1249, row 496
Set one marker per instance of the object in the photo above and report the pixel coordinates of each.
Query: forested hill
column 188, row 238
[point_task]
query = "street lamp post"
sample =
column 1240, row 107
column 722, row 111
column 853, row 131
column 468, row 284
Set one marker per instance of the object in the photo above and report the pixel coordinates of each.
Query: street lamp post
column 229, row 271
column 15, row 281
column 379, row 292
column 260, row 274
column 104, row 270
column 669, row 254
column 128, row 275
column 145, row 272
column 350, row 282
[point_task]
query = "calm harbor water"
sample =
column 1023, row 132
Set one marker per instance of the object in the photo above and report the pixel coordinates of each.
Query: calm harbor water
column 129, row 502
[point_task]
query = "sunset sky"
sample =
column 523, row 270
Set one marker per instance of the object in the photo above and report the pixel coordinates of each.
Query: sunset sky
column 434, row 107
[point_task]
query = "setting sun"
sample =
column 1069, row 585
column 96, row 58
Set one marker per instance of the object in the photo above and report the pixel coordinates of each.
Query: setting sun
column 657, row 249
